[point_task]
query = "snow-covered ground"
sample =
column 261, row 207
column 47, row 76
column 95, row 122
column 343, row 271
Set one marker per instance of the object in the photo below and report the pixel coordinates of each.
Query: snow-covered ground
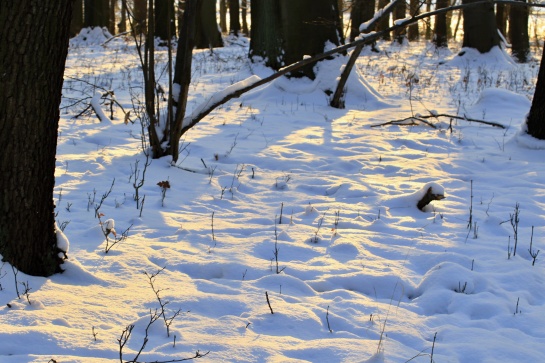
column 278, row 196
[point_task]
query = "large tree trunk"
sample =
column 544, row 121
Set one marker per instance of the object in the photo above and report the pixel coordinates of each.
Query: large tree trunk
column 440, row 38
column 266, row 34
column 234, row 17
column 307, row 25
column 165, row 26
column 32, row 64
column 111, row 16
column 518, row 32
column 207, row 34
column 96, row 13
column 536, row 117
column 480, row 31
column 77, row 18
column 362, row 11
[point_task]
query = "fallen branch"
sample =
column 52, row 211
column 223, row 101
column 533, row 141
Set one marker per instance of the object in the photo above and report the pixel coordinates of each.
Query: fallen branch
column 422, row 118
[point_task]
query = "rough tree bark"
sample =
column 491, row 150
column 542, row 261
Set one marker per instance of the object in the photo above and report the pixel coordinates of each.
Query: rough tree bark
column 32, row 64
column 385, row 21
column 223, row 16
column 414, row 9
column 266, row 34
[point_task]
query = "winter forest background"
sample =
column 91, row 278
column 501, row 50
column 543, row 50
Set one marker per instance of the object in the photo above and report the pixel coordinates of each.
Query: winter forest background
column 271, row 181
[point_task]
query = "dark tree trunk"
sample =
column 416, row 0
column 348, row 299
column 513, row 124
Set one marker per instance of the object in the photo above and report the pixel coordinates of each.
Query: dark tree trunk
column 122, row 25
column 362, row 11
column 518, row 32
column 96, row 13
column 140, row 12
column 385, row 22
column 207, row 34
column 414, row 9
column 182, row 71
column 32, row 64
column 502, row 11
column 77, row 18
column 536, row 117
column 266, row 34
column 440, row 38
column 400, row 12
column 307, row 25
column 427, row 32
column 244, row 14
column 234, row 17
column 165, row 26
column 480, row 31
column 223, row 16
column 111, row 16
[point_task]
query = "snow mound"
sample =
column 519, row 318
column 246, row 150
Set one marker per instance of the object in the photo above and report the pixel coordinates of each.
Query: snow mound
column 90, row 36
column 496, row 58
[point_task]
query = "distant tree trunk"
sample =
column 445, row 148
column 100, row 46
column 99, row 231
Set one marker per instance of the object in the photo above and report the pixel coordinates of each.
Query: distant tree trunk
column 266, row 34
column 140, row 12
column 536, row 117
column 234, row 17
column 111, row 16
column 122, row 25
column 244, row 14
column 207, row 34
column 96, row 13
column 223, row 16
column 307, row 25
column 502, row 11
column 440, row 38
column 400, row 12
column 31, row 83
column 164, row 18
column 77, row 18
column 427, row 22
column 518, row 32
column 480, row 30
column 414, row 9
column 361, row 11
column 385, row 22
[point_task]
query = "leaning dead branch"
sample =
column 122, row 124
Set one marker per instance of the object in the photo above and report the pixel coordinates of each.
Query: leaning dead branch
column 415, row 120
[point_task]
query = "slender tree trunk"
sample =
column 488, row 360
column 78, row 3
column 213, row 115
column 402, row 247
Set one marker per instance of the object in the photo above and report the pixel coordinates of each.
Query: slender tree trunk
column 111, row 17
column 223, row 16
column 400, row 13
column 244, row 15
column 502, row 11
column 182, row 72
column 440, row 38
column 31, row 84
column 536, row 117
column 480, row 30
column 122, row 25
column 427, row 33
column 518, row 32
column 234, row 17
